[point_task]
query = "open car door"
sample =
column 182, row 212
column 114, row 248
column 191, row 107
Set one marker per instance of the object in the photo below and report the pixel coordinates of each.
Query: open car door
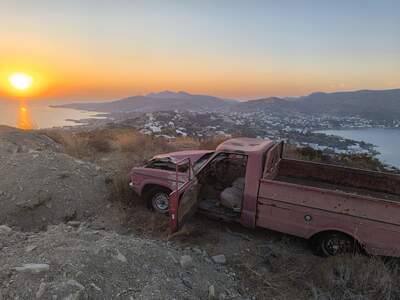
column 183, row 201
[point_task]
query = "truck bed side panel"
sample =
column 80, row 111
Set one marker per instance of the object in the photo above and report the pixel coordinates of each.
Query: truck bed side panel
column 333, row 201
column 287, row 208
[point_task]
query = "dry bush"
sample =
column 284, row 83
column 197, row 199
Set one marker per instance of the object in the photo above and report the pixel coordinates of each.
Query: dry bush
column 356, row 277
column 75, row 144
column 99, row 145
column 212, row 143
column 184, row 143
column 119, row 188
column 306, row 153
column 130, row 141
column 360, row 161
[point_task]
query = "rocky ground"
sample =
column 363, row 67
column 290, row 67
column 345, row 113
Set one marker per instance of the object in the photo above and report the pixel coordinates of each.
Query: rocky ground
column 69, row 230
column 76, row 262
column 39, row 185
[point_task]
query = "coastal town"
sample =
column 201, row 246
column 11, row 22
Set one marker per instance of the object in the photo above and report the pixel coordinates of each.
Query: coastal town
column 300, row 130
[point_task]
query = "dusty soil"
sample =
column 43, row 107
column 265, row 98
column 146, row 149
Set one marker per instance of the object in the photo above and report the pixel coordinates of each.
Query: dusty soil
column 269, row 265
column 79, row 263
column 39, row 185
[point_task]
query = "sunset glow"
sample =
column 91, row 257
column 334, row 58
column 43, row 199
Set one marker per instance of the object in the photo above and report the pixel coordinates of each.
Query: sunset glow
column 109, row 51
column 20, row 81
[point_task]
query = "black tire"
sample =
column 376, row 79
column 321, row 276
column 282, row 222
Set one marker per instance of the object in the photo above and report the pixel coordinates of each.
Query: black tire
column 157, row 199
column 334, row 243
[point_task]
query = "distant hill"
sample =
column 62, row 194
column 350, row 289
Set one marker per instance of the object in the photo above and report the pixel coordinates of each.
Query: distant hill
column 157, row 102
column 379, row 104
column 384, row 104
column 272, row 104
column 371, row 104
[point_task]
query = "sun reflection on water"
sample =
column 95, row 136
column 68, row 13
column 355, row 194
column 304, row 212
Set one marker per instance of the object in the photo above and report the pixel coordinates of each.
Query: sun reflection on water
column 24, row 117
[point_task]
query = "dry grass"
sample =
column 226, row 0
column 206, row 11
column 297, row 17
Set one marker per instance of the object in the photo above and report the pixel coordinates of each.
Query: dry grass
column 90, row 144
column 212, row 143
column 74, row 143
column 356, row 277
column 120, row 191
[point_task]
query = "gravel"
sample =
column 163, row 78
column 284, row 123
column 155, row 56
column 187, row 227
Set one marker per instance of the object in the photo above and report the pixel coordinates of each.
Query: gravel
column 89, row 264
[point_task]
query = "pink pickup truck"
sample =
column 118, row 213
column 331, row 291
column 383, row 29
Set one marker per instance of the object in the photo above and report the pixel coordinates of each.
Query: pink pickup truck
column 246, row 180
column 156, row 179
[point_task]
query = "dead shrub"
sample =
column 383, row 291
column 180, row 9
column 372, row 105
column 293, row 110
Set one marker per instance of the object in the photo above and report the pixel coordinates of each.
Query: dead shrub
column 184, row 143
column 74, row 144
column 129, row 141
column 355, row 277
column 119, row 188
column 212, row 143
column 98, row 144
column 360, row 161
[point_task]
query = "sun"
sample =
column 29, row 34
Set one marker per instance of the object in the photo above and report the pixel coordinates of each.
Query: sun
column 20, row 81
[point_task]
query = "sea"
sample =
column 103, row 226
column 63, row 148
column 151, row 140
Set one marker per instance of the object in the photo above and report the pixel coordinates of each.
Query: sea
column 386, row 140
column 39, row 114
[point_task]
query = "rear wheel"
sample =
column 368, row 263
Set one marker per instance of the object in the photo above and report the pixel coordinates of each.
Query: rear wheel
column 158, row 199
column 334, row 243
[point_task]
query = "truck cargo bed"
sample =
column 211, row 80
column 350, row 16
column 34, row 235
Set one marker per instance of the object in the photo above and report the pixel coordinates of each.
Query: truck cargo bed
column 335, row 187
column 349, row 180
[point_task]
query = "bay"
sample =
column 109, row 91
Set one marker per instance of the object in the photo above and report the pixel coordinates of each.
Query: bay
column 386, row 140
column 39, row 114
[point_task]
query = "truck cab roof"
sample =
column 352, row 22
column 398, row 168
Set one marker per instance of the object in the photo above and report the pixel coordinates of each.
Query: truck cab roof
column 245, row 145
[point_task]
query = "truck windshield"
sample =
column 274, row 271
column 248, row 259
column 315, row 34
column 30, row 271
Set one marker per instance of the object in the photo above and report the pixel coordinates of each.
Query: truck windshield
column 200, row 162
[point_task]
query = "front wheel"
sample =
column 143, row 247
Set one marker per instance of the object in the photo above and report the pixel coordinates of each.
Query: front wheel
column 335, row 243
column 158, row 200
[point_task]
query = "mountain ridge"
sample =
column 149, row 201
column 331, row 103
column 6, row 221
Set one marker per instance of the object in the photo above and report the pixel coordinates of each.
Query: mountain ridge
column 373, row 104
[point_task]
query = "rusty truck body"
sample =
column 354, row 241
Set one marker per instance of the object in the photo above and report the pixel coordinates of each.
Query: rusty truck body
column 338, row 209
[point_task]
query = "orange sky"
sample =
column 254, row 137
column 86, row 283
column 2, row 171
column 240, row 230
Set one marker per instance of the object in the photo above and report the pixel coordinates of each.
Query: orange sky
column 74, row 51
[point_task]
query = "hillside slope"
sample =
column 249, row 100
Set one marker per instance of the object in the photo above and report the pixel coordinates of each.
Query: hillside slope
column 39, row 185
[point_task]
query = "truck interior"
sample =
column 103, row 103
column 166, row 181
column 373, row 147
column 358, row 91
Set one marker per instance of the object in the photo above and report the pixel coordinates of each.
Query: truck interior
column 222, row 184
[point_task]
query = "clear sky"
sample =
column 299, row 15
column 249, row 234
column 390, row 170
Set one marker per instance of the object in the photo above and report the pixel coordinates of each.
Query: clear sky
column 94, row 49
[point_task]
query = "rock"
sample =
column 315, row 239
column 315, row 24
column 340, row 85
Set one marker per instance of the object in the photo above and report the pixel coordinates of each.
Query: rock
column 211, row 292
column 33, row 268
column 41, row 290
column 74, row 223
column 187, row 282
column 120, row 257
column 30, row 248
column 219, row 259
column 74, row 296
column 197, row 250
column 222, row 296
column 95, row 287
column 4, row 229
column 73, row 282
column 186, row 261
